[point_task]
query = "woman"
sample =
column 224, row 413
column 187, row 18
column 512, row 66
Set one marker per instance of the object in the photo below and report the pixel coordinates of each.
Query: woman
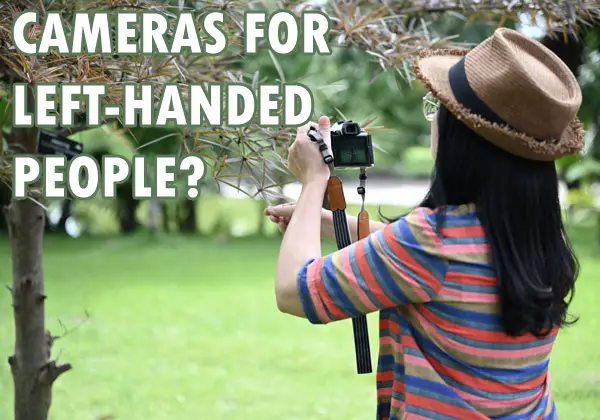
column 473, row 285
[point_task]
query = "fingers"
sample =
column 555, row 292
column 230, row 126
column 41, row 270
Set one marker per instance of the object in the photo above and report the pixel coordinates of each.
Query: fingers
column 280, row 214
column 283, row 225
column 324, row 125
column 282, row 222
column 281, row 210
column 302, row 132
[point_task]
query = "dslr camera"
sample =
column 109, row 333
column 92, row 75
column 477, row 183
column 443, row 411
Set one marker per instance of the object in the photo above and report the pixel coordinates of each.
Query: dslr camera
column 351, row 145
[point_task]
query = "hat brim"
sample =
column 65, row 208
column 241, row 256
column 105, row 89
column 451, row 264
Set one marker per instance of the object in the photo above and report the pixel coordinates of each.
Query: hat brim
column 431, row 69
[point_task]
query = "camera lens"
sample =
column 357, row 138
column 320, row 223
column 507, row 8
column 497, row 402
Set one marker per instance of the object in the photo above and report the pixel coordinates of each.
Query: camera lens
column 351, row 128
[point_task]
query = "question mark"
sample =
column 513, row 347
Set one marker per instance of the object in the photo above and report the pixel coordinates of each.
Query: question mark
column 197, row 166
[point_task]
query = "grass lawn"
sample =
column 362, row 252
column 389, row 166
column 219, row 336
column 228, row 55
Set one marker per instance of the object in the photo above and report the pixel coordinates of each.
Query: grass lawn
column 187, row 329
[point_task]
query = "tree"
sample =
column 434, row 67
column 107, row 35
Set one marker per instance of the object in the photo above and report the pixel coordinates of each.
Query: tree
column 382, row 30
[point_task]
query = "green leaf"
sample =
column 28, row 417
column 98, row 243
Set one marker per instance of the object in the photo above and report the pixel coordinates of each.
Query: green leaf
column 105, row 139
column 584, row 169
column 277, row 66
column 5, row 114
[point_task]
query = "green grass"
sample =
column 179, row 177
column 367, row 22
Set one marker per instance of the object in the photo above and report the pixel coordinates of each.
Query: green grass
column 187, row 328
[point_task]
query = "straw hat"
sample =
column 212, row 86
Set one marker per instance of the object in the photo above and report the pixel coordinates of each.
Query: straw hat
column 512, row 91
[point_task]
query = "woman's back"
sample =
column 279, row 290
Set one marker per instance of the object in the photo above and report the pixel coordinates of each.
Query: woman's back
column 451, row 354
column 474, row 283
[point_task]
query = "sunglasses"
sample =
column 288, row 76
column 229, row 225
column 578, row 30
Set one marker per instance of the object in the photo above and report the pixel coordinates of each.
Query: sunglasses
column 430, row 106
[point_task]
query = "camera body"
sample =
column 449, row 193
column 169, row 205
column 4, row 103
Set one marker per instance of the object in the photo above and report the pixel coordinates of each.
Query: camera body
column 351, row 146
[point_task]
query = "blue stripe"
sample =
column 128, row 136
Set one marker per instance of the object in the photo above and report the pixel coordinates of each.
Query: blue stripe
column 501, row 376
column 399, row 370
column 466, row 240
column 304, row 295
column 536, row 412
column 334, row 289
column 463, row 220
column 368, row 248
column 471, row 288
column 552, row 415
column 433, row 415
column 398, row 396
column 423, row 387
column 506, row 376
column 383, row 410
column 405, row 237
column 329, row 314
column 470, row 323
column 385, row 384
column 386, row 360
column 381, row 272
column 496, row 396
column 460, row 316
column 493, row 345
column 406, row 271
column 473, row 268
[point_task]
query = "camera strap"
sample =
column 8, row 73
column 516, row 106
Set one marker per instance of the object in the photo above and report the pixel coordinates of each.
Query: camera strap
column 337, row 202
column 361, row 189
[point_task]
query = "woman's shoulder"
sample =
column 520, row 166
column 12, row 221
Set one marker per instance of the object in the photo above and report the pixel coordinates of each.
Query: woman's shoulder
column 463, row 213
column 446, row 222
column 451, row 232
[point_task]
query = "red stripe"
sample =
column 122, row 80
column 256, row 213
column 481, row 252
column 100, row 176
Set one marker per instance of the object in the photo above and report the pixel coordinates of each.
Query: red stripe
column 484, row 384
column 367, row 275
column 443, row 408
column 427, row 319
column 409, row 261
column 385, row 376
column 327, row 301
column 463, row 231
column 388, row 324
column 399, row 386
column 474, row 279
column 473, row 333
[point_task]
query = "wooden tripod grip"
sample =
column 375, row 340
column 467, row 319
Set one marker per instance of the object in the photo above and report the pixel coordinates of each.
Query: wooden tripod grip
column 364, row 228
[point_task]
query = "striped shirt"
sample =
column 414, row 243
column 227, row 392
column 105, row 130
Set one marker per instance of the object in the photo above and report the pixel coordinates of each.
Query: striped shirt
column 442, row 350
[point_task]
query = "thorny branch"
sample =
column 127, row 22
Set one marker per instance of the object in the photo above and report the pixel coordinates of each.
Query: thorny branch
column 50, row 371
column 391, row 31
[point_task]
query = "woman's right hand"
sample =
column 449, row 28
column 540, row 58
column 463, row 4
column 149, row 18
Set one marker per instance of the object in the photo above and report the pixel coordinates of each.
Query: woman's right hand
column 281, row 214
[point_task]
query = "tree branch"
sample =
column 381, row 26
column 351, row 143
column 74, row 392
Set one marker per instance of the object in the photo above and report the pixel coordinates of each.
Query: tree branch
column 51, row 371
column 69, row 131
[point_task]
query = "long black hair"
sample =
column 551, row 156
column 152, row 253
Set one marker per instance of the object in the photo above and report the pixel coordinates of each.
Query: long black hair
column 517, row 202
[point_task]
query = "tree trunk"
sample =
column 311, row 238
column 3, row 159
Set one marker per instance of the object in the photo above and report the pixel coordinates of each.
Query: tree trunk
column 5, row 195
column 127, row 208
column 66, row 208
column 164, row 212
column 32, row 370
column 153, row 212
column 187, row 217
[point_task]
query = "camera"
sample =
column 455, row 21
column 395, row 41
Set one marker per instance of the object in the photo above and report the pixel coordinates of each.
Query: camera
column 55, row 144
column 351, row 145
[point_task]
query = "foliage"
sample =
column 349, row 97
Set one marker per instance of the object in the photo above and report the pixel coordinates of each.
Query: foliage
column 584, row 170
column 105, row 139
column 390, row 33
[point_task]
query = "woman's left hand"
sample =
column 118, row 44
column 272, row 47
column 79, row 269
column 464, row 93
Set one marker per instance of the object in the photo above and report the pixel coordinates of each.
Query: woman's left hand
column 305, row 160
